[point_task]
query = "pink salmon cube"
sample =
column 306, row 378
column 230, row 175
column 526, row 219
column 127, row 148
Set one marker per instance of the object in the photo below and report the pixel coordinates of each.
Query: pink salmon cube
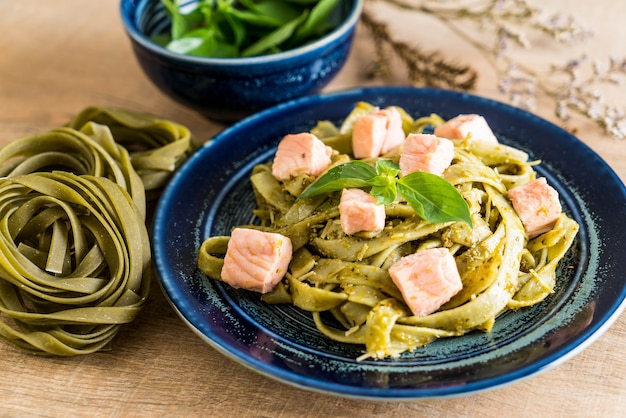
column 377, row 133
column 256, row 260
column 424, row 152
column 473, row 127
column 301, row 153
column 537, row 204
column 358, row 212
column 427, row 279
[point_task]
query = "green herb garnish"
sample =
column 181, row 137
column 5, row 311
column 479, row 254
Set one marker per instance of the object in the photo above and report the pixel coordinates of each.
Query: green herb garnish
column 432, row 197
column 244, row 28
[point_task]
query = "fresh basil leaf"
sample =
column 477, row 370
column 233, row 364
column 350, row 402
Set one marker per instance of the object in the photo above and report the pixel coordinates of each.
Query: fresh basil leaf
column 301, row 1
column 233, row 29
column 256, row 19
column 384, row 183
column 387, row 167
column 356, row 169
column 224, row 4
column 386, row 194
column 225, row 50
column 161, row 39
column 208, row 11
column 192, row 45
column 434, row 198
column 351, row 174
column 276, row 9
column 203, row 42
column 181, row 22
column 274, row 38
column 253, row 26
column 316, row 22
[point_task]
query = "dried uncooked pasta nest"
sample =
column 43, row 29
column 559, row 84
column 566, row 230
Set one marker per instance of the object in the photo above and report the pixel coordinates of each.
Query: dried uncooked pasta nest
column 91, row 151
column 76, row 252
column 157, row 146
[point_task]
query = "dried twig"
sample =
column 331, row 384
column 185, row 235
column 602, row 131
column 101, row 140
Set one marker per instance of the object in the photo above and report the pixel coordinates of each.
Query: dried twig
column 423, row 68
column 508, row 23
column 580, row 92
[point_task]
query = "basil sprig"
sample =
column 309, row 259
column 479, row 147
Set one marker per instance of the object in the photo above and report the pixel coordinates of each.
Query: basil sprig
column 432, row 197
column 244, row 28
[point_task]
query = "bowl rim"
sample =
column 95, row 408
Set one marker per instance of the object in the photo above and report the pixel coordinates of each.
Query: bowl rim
column 137, row 36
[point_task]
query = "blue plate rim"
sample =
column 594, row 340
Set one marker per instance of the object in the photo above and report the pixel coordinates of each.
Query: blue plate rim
column 582, row 341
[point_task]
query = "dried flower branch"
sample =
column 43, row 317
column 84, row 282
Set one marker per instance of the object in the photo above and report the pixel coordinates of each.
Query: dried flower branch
column 424, row 68
column 580, row 92
column 508, row 23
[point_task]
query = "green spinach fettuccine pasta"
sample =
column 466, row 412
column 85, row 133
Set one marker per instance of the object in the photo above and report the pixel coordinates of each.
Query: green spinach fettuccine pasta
column 344, row 280
column 75, row 262
column 157, row 146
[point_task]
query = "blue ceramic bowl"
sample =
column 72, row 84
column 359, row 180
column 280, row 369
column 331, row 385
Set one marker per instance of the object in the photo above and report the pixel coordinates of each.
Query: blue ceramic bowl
column 211, row 193
column 227, row 89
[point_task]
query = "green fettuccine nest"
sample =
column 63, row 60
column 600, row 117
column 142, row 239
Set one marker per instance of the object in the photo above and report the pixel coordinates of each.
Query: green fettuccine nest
column 75, row 250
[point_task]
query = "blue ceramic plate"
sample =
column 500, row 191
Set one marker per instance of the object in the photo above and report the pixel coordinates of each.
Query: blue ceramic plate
column 211, row 193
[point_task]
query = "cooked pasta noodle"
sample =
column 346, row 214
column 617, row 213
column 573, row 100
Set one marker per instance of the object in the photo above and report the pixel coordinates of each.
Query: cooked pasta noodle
column 344, row 280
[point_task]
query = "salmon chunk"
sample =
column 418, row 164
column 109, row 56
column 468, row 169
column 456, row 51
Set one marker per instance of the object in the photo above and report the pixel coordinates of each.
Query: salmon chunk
column 424, row 152
column 377, row 133
column 256, row 260
column 473, row 127
column 426, row 279
column 537, row 204
column 395, row 134
column 301, row 153
column 358, row 212
column 368, row 136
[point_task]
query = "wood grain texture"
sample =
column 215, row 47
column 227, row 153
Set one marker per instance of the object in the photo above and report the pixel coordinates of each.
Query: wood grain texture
column 59, row 56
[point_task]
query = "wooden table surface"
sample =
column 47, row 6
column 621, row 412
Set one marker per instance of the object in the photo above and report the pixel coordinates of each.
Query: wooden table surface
column 59, row 56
